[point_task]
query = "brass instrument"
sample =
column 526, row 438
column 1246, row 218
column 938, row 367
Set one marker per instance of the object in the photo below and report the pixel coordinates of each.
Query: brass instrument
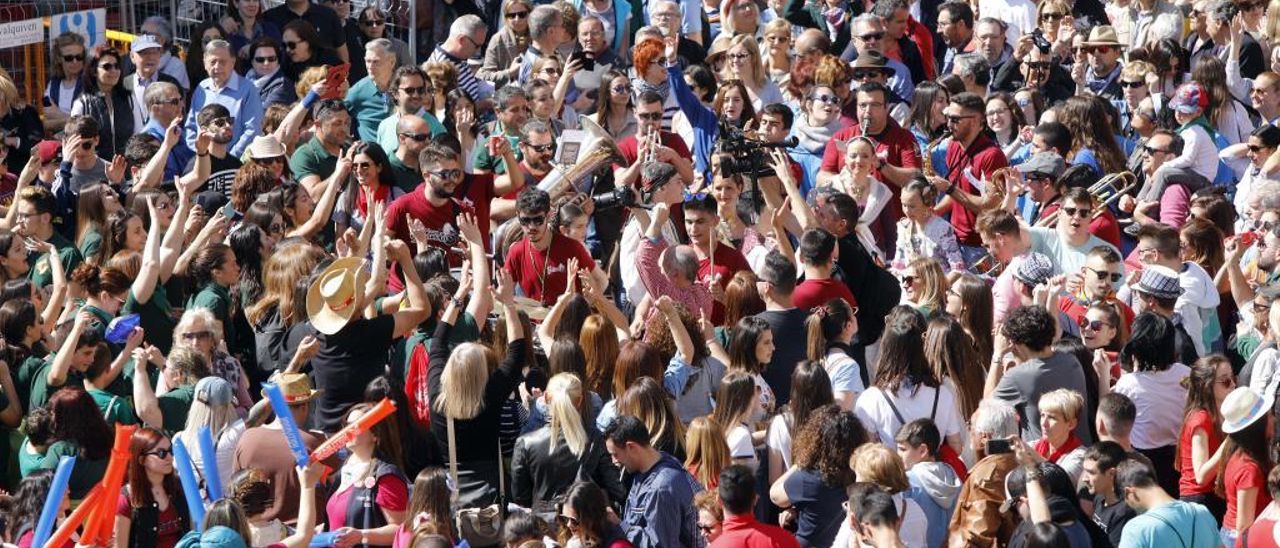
column 653, row 138
column 1107, row 190
column 987, row 265
column 599, row 151
column 927, row 155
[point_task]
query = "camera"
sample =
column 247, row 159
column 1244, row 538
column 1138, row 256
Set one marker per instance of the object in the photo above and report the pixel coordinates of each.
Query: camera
column 1041, row 42
column 623, row 196
column 741, row 155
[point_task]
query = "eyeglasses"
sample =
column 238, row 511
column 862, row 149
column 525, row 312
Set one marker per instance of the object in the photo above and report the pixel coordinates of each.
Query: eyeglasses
column 863, row 74
column 1106, row 274
column 1095, row 325
column 871, row 36
column 414, row 90
column 1051, row 16
column 165, row 205
column 650, row 116
column 1134, row 84
column 446, row 174
column 620, row 90
column 1096, row 49
column 265, row 60
column 541, row 148
column 197, row 335
column 87, row 145
column 161, row 453
column 567, row 520
column 997, row 111
column 171, row 102
column 709, row 528
column 1256, row 149
column 740, row 56
column 275, row 228
column 551, row 70
column 828, row 99
column 517, row 14
column 109, row 66
column 270, row 160
column 663, row 15
column 419, row 137
column 908, row 280
column 533, row 221
column 777, row 39
column 72, row 58
column 361, row 165
column 1081, row 212
column 291, row 45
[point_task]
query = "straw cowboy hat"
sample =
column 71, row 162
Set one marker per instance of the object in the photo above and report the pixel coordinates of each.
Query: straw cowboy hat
column 331, row 299
column 1242, row 407
column 266, row 146
column 1103, row 35
column 296, row 387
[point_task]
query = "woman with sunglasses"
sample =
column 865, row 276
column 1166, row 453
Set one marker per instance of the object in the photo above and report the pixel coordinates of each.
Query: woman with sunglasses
column 777, row 54
column 265, row 71
column 615, row 112
column 65, row 83
column 105, row 100
column 374, row 182
column 743, row 63
column 815, row 126
column 304, row 49
column 1102, row 328
column 152, row 511
column 1200, row 453
column 1260, row 146
column 503, row 57
column 584, row 519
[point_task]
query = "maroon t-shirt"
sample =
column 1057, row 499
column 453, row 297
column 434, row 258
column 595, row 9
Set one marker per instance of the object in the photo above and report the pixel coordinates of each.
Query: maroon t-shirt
column 629, row 148
column 543, row 275
column 897, row 147
column 981, row 158
column 729, row 261
column 472, row 196
column 814, row 293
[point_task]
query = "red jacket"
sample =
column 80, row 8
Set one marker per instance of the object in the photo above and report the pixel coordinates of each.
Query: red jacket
column 740, row 531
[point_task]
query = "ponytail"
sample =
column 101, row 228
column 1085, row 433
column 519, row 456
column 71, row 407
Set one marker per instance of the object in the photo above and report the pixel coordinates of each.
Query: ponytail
column 564, row 390
column 824, row 326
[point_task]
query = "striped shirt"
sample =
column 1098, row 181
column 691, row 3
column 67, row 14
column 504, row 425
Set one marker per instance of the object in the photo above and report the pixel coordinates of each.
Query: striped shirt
column 476, row 88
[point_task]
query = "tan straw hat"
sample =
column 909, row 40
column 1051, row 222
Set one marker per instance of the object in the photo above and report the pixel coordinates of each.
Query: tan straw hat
column 1242, row 407
column 332, row 298
column 1103, row 35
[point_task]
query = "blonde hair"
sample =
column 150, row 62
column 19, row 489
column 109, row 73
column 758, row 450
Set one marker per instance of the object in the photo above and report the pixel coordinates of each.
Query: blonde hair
column 708, row 452
column 1137, row 70
column 564, row 395
column 1066, row 402
column 726, row 17
column 931, row 283
column 757, row 78
column 9, row 90
column 462, row 382
column 876, row 463
column 310, row 77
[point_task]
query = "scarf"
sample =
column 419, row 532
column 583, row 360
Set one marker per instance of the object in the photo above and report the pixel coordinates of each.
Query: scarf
column 261, row 80
column 1096, row 84
column 1042, row 447
column 836, row 17
column 814, row 138
column 640, row 85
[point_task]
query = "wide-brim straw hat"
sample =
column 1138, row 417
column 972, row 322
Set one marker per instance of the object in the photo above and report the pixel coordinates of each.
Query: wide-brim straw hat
column 333, row 298
column 1103, row 35
column 1242, row 407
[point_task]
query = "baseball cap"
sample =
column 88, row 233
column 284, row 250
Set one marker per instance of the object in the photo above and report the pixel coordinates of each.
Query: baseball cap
column 48, row 150
column 144, row 42
column 1048, row 163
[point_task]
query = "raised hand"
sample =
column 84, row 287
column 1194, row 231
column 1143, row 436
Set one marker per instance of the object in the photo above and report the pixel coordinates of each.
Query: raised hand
column 506, row 287
column 468, row 228
column 115, row 170
column 173, row 134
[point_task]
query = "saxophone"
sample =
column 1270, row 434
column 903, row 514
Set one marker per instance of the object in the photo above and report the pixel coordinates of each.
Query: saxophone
column 927, row 156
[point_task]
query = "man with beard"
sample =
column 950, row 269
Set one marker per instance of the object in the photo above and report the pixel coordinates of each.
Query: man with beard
column 539, row 262
column 1102, row 77
column 315, row 159
column 446, row 193
column 1068, row 244
column 412, row 135
column 971, row 156
column 895, row 146
column 409, row 85
column 1033, row 67
column 955, row 26
column 537, row 147
column 215, row 120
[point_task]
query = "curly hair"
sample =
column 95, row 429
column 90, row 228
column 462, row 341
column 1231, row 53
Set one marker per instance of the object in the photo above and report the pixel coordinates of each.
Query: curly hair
column 659, row 335
column 1032, row 326
column 646, row 53
column 825, row 442
column 830, row 71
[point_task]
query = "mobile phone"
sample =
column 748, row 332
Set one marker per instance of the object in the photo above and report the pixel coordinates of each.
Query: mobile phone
column 1248, row 238
column 229, row 211
column 998, row 447
column 333, row 80
column 588, row 61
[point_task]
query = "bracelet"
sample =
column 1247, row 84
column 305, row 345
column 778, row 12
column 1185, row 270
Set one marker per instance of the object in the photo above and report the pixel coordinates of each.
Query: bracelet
column 459, row 301
column 206, row 153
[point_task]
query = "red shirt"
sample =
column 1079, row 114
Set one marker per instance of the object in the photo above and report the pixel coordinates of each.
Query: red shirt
column 744, row 530
column 169, row 529
column 923, row 39
column 729, row 261
column 472, row 196
column 1244, row 473
column 543, row 275
column 983, row 157
column 392, row 495
column 628, row 147
column 1103, row 226
column 1075, row 307
column 1199, row 419
column 814, row 293
column 897, row 146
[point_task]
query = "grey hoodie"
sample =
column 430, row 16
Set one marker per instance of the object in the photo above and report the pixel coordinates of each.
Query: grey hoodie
column 937, row 480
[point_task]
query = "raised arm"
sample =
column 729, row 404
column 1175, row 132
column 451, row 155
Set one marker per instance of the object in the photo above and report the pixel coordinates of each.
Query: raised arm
column 307, row 479
column 152, row 173
column 175, row 235
column 57, row 374
column 145, row 402
column 324, row 205
column 800, row 209
column 290, row 127
column 58, row 296
column 202, row 167
column 593, row 290
column 506, row 294
column 481, row 274
column 546, row 331
column 145, row 284
column 418, row 307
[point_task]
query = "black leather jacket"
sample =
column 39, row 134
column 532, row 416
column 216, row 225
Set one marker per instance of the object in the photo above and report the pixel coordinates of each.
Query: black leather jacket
column 539, row 475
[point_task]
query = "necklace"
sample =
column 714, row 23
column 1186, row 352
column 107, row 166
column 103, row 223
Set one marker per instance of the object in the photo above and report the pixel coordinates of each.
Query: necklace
column 542, row 273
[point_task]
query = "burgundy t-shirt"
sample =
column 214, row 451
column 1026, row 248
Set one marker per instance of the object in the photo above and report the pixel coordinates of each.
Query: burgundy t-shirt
column 441, row 222
column 543, row 275
column 628, row 147
column 981, row 158
column 729, row 261
column 814, row 293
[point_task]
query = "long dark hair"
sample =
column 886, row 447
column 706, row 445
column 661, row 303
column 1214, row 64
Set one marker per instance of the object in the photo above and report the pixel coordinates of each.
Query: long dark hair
column 602, row 97
column 591, row 505
column 742, row 345
column 144, row 440
column 1252, row 442
column 77, row 418
column 28, row 501
column 16, row 317
column 922, row 108
column 977, row 314
column 246, row 243
column 90, row 75
column 810, row 389
column 1151, row 344
column 386, row 175
column 825, row 325
column 950, row 352
column 902, row 360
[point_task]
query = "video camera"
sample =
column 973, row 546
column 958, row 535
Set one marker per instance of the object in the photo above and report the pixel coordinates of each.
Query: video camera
column 745, row 156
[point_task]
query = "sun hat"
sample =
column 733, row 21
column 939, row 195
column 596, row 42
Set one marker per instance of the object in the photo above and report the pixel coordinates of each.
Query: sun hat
column 719, row 47
column 871, row 59
column 1103, row 35
column 1242, row 407
column 331, row 299
column 1160, row 282
column 296, row 387
column 266, row 146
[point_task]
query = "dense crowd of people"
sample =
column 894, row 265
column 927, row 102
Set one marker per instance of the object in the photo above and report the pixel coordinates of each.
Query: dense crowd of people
column 653, row 273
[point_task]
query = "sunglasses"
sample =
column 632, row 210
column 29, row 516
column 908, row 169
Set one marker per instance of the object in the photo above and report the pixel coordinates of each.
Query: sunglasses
column 871, row 36
column 650, row 116
column 1051, row 16
column 828, row 99
column 275, row 228
column 620, row 90
column 265, row 60
column 1080, row 212
column 1132, row 84
column 1037, row 65
column 1255, row 149
column 419, row 137
column 291, row 45
column 908, row 280
column 953, row 119
column 551, row 70
column 447, row 174
column 863, row 74
column 533, row 221
column 161, row 453
column 738, row 56
column 517, row 15
column 109, row 66
column 567, row 520
column 271, row 160
column 1105, row 275
column 1103, row 50
column 72, row 58
column 708, row 528
column 373, row 23
column 197, row 335
column 361, row 165
column 1095, row 325
column 542, row 149
column 1152, row 150
column 415, row 90
column 86, row 145
column 171, row 102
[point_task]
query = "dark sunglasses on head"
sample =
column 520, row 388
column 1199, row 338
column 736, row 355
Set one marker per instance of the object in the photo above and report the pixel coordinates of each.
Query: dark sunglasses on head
column 72, row 58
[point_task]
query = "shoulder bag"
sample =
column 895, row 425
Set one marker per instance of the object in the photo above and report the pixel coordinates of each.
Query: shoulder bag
column 478, row 526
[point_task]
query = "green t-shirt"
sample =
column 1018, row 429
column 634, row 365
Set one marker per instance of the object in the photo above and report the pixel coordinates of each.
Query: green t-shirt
column 23, row 376
column 90, row 243
column 41, row 275
column 485, row 162
column 312, row 159
column 369, row 106
column 86, row 473
column 406, row 178
column 466, row 330
column 40, row 390
column 175, row 404
column 216, row 299
column 115, row 409
column 154, row 317
column 389, row 139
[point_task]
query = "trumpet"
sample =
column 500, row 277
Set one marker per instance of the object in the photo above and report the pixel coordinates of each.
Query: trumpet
column 1105, row 192
column 653, row 138
column 927, row 154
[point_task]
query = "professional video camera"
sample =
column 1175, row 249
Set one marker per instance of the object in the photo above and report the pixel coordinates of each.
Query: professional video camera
column 623, row 196
column 742, row 155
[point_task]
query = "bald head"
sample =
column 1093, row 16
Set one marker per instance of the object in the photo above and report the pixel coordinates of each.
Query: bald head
column 681, row 262
column 812, row 42
column 413, row 134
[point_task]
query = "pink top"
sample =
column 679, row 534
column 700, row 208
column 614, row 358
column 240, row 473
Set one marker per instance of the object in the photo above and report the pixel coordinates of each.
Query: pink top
column 393, row 495
column 1004, row 294
column 696, row 298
